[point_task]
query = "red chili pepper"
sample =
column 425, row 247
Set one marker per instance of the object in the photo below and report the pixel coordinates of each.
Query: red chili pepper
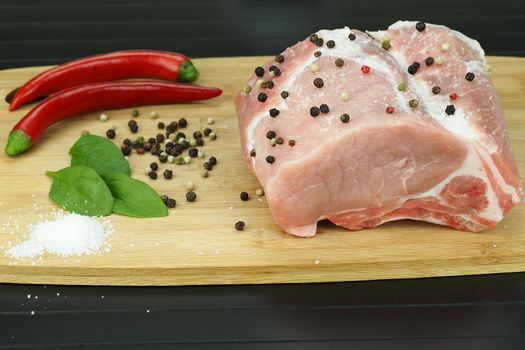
column 95, row 97
column 107, row 67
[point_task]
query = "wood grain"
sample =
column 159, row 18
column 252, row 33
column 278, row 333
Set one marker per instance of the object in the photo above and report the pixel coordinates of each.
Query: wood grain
column 197, row 243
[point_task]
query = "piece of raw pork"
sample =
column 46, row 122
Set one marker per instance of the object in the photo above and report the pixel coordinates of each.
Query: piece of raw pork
column 362, row 129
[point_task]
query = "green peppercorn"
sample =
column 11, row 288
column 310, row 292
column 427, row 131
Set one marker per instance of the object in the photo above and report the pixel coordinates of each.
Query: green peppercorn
column 413, row 103
column 345, row 118
column 284, row 94
column 135, row 113
column 339, row 62
column 401, row 87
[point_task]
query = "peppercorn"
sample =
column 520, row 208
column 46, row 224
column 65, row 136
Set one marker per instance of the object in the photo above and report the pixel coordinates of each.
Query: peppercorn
column 127, row 142
column 390, row 109
column 197, row 134
column 324, row 108
column 135, row 113
column 161, row 125
column 339, row 62
column 420, row 26
column 345, row 118
column 284, row 94
column 279, row 140
column 401, row 87
column 412, row 69
column 134, row 128
column 244, row 196
column 271, row 134
column 193, row 142
column 126, row 150
column 180, row 135
column 453, row 96
column 413, row 103
column 314, row 111
column 110, row 134
column 207, row 132
column 319, row 42
column 213, row 136
column 103, row 118
column 154, row 166
column 351, row 36
column 163, row 197
column 152, row 175
column 317, row 54
column 252, row 152
column 207, row 166
column 172, row 127
column 470, row 76
column 276, row 71
column 318, row 82
column 155, row 149
column 450, row 109
column 191, row 196
column 193, row 152
column 213, row 160
column 436, row 90
column 386, row 45
column 187, row 159
column 185, row 144
column 259, row 71
column 183, row 122
column 131, row 122
column 291, row 143
column 171, row 203
column 330, row 44
column 259, row 192
column 239, row 225
column 429, row 61
column 199, row 142
column 168, row 174
column 270, row 84
column 270, row 159
column 274, row 112
column 147, row 147
column 262, row 97
column 160, row 138
column 279, row 58
column 163, row 158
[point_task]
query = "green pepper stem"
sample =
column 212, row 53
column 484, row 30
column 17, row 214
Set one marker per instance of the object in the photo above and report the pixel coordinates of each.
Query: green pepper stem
column 17, row 142
column 187, row 72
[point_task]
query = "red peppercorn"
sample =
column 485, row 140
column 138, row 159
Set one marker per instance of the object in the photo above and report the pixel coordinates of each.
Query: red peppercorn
column 365, row 69
column 453, row 96
column 140, row 150
column 390, row 109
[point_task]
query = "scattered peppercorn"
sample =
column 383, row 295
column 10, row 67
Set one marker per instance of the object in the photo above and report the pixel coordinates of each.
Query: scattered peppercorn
column 450, row 109
column 318, row 82
column 276, row 72
column 135, row 113
column 274, row 112
column 161, row 125
column 213, row 136
column 271, row 135
column 453, row 96
column 160, row 138
column 330, row 44
column 168, row 174
column 270, row 84
column 339, row 62
column 319, row 42
column 351, row 36
column 270, row 159
column 205, row 173
column 291, row 143
column 244, row 196
column 420, row 26
column 390, row 109
column 127, row 142
column 412, row 69
column 207, row 166
column 365, row 69
column 207, row 132
column 153, row 115
column 252, row 152
column 134, row 128
column 314, row 111
column 386, row 45
column 213, row 160
column 259, row 71
column 470, row 76
column 436, row 90
column 193, row 152
column 429, row 61
column 183, row 122
column 154, row 166
column 401, row 86
column 259, row 192
column 324, row 108
column 131, row 122
column 171, row 203
column 152, row 175
column 172, row 127
column 103, row 118
column 163, row 158
column 239, row 225
column 284, row 94
column 262, row 97
column 180, row 135
column 413, row 103
column 345, row 118
column 110, row 134
column 279, row 140
column 200, row 142
column 140, row 150
column 317, row 54
column 279, row 58
column 126, row 150
column 164, row 197
column 147, row 147
column 191, row 196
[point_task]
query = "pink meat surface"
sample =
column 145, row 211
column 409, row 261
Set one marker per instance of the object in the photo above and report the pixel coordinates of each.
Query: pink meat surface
column 417, row 162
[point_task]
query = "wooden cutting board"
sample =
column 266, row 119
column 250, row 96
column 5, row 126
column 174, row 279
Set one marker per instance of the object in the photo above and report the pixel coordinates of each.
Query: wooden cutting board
column 197, row 243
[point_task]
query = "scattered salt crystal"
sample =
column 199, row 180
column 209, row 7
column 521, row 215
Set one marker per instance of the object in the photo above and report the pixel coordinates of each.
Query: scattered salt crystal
column 29, row 296
column 66, row 235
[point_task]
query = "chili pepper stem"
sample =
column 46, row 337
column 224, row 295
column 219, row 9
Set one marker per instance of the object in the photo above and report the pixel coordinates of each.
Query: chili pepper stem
column 187, row 72
column 17, row 142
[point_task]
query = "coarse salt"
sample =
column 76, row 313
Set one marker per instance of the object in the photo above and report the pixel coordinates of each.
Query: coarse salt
column 66, row 235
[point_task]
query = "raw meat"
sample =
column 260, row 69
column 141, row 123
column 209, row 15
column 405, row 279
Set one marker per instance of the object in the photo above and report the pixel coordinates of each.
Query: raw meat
column 414, row 152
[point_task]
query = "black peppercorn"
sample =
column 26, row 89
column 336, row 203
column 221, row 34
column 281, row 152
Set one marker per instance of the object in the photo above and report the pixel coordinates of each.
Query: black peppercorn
column 313, row 37
column 127, row 142
column 324, row 108
column 168, row 174
column 450, row 109
column 193, row 152
column 319, row 42
column 110, row 133
column 270, row 84
column 259, row 71
column 339, row 62
column 183, row 122
column 213, row 160
column 271, row 135
column 132, row 122
column 185, row 144
column 351, row 36
column 152, row 175
column 252, row 152
column 436, row 90
column 200, row 142
column 317, row 54
column 160, row 138
column 318, row 82
column 291, row 143
column 147, row 147
column 429, row 61
column 284, row 94
column 274, row 112
column 469, row 76
column 239, row 225
column 207, row 132
column 262, row 97
column 314, row 111
column 412, row 69
column 172, row 127
column 330, row 44
column 191, row 196
column 207, row 166
column 163, row 158
column 171, row 203
column 154, row 166
column 279, row 58
column 155, row 149
column 126, row 150
column 197, row 135
column 161, row 125
column 244, row 196
column 345, row 118
column 164, row 198
column 134, row 128
column 180, row 135
column 420, row 26
column 152, row 140
column 270, row 159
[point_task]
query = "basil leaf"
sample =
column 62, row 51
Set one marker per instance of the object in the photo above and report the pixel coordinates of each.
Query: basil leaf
column 81, row 190
column 100, row 154
column 133, row 197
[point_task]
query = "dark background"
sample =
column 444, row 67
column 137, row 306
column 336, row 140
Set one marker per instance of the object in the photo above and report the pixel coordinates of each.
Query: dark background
column 481, row 312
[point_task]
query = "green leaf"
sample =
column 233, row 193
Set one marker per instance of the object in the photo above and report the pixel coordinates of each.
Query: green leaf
column 133, row 197
column 81, row 190
column 100, row 154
